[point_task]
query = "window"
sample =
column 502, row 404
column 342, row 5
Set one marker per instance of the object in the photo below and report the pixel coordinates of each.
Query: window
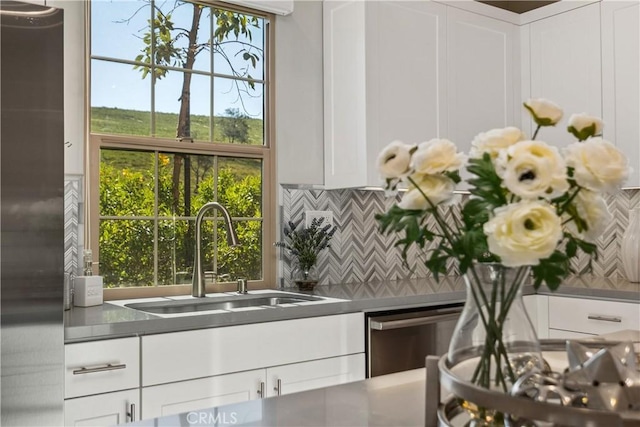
column 179, row 116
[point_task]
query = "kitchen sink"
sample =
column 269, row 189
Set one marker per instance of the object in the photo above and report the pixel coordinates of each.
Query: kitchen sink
column 220, row 303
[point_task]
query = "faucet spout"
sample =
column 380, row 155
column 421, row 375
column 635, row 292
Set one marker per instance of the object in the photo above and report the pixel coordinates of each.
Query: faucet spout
column 232, row 239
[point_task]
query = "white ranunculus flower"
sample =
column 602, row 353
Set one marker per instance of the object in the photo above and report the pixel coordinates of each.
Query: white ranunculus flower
column 532, row 169
column 593, row 209
column 584, row 126
column 523, row 233
column 394, row 160
column 543, row 111
column 437, row 188
column 436, row 156
column 598, row 165
column 494, row 141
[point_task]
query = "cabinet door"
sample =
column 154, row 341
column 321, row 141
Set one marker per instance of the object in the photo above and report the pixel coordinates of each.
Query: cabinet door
column 384, row 71
column 481, row 55
column 565, row 66
column 344, row 94
column 406, row 75
column 106, row 409
column 620, row 79
column 303, row 376
column 202, row 393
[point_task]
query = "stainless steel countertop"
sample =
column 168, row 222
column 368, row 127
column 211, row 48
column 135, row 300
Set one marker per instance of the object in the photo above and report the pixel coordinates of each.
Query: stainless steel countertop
column 111, row 321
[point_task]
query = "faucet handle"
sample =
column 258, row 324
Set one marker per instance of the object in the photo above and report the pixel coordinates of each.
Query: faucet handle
column 222, row 277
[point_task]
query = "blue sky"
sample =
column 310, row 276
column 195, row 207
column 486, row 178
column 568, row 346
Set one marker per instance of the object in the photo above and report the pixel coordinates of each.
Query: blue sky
column 117, row 30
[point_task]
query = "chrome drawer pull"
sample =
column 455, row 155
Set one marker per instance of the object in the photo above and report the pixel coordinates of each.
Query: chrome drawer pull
column 261, row 390
column 132, row 412
column 605, row 318
column 107, row 367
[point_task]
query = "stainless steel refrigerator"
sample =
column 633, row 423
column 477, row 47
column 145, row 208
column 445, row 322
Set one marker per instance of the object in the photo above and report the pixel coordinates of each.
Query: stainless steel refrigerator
column 31, row 215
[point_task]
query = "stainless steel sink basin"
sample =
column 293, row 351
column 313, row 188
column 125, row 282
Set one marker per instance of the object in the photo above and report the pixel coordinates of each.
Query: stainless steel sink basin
column 219, row 303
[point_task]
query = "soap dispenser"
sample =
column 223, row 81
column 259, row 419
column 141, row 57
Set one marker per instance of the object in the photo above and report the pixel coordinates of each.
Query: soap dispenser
column 87, row 288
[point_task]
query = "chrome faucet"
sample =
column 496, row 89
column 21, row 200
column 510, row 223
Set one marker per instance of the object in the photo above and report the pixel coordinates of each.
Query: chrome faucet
column 232, row 240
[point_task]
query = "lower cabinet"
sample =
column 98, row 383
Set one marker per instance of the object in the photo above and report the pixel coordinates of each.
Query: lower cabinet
column 192, row 395
column 314, row 374
column 106, row 409
column 581, row 317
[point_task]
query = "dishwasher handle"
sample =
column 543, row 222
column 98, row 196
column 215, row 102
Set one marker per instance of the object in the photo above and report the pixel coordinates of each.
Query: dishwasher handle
column 385, row 325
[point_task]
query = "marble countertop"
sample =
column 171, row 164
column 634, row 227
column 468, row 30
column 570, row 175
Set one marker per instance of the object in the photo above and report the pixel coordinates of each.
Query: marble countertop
column 111, row 321
column 389, row 400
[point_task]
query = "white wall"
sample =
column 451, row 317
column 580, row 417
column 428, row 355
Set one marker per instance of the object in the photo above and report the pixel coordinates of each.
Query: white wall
column 299, row 95
column 74, row 77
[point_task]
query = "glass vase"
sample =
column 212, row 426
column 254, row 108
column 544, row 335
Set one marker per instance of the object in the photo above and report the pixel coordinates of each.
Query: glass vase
column 305, row 277
column 630, row 247
column 494, row 341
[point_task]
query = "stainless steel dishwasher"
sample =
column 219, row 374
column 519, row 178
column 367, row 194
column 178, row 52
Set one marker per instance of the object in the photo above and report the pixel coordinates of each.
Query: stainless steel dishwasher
column 400, row 340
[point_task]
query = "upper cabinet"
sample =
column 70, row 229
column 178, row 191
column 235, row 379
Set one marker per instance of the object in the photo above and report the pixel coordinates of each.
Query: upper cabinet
column 621, row 78
column 384, row 79
column 565, row 66
column 482, row 54
column 298, row 103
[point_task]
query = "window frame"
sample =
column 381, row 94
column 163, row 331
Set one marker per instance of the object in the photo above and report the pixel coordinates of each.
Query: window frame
column 265, row 152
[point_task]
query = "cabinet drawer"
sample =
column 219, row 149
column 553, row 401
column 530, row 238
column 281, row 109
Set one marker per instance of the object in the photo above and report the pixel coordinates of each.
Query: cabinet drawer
column 101, row 366
column 592, row 316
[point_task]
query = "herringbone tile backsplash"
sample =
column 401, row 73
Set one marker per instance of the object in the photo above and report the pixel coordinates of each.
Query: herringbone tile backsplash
column 360, row 253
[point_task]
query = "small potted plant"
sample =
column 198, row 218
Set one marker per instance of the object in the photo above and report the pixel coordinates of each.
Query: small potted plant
column 304, row 245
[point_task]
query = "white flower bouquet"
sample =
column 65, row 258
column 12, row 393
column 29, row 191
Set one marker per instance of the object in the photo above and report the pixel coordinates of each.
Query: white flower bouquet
column 531, row 209
column 530, row 204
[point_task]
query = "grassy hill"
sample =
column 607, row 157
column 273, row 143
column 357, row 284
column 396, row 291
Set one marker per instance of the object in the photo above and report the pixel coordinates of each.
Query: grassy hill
column 133, row 122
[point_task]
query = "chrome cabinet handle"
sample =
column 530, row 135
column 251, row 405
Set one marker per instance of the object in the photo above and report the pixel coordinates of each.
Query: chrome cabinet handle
column 261, row 390
column 107, row 367
column 605, row 318
column 278, row 387
column 132, row 412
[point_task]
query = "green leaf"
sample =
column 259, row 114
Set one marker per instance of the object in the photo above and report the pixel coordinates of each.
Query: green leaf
column 584, row 133
column 551, row 270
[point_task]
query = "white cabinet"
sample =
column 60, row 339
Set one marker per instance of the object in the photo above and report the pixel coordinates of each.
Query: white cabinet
column 185, row 371
column 621, row 79
column 565, row 66
column 298, row 103
column 185, row 396
column 571, row 316
column 411, row 71
column 186, row 355
column 384, row 79
column 107, row 409
column 101, row 366
column 482, row 56
column 537, row 307
column 192, row 395
column 102, row 380
column 314, row 374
